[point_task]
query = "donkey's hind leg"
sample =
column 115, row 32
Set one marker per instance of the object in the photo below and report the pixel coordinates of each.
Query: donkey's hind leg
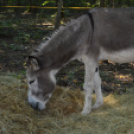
column 88, row 87
column 97, row 87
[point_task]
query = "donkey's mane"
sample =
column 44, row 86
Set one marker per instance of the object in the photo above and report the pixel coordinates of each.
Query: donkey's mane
column 62, row 45
column 55, row 32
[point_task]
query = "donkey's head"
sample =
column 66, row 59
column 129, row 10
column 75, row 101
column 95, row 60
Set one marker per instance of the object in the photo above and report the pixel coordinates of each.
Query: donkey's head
column 41, row 83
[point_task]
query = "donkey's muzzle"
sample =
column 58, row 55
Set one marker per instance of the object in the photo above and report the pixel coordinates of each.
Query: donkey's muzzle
column 35, row 105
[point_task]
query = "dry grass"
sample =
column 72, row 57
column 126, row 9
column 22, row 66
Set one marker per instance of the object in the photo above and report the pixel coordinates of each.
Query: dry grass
column 62, row 115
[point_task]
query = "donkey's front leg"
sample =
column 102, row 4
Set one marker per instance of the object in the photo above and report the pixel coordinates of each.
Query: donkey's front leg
column 88, row 84
column 97, row 87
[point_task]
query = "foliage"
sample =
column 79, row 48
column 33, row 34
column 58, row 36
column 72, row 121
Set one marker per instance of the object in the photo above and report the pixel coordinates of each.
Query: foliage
column 75, row 3
column 66, row 3
column 48, row 2
column 70, row 3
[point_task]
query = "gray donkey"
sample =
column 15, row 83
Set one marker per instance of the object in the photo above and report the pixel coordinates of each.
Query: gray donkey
column 100, row 34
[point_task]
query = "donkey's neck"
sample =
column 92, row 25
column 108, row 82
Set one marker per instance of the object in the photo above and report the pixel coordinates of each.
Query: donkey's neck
column 66, row 44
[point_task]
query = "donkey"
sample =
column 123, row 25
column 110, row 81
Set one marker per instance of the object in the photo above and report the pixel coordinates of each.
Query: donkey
column 100, row 34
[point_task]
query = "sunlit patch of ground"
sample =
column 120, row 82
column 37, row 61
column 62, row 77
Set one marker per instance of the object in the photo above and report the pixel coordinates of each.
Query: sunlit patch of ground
column 62, row 115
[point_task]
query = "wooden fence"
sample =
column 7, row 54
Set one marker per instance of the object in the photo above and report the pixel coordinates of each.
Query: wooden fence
column 78, row 8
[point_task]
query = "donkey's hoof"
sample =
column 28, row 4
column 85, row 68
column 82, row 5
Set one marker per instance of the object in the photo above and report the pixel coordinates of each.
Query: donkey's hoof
column 97, row 105
column 85, row 112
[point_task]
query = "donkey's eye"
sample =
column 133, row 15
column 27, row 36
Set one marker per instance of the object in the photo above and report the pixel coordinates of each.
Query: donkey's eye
column 31, row 81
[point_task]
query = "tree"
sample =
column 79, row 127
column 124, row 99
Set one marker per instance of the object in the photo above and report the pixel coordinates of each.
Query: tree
column 57, row 21
column 102, row 3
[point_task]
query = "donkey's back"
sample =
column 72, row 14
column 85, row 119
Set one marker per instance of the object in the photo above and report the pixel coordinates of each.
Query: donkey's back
column 112, row 39
column 113, row 35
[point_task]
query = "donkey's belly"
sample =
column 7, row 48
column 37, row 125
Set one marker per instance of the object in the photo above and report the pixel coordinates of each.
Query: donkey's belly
column 122, row 56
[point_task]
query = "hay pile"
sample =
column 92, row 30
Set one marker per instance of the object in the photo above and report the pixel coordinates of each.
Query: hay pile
column 62, row 115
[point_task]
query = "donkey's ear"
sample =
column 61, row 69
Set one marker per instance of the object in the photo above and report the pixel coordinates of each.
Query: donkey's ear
column 35, row 63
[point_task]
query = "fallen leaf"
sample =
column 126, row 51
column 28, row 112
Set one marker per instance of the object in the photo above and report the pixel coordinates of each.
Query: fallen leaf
column 75, row 81
column 117, row 85
column 2, row 51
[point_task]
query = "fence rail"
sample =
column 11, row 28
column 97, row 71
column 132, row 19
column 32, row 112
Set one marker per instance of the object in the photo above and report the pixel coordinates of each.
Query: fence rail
column 78, row 8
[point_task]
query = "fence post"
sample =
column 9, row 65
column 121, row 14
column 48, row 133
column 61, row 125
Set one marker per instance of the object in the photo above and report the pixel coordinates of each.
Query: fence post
column 102, row 3
column 57, row 21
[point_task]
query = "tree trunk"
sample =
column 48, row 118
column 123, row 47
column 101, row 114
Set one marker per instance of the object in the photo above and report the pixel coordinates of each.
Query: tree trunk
column 30, row 10
column 92, row 2
column 102, row 3
column 6, row 5
column 62, row 10
column 113, row 3
column 119, row 3
column 128, row 3
column 19, row 5
column 56, row 3
column 57, row 21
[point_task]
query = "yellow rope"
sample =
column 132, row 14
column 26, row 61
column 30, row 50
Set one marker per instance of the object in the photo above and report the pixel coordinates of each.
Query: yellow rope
column 78, row 8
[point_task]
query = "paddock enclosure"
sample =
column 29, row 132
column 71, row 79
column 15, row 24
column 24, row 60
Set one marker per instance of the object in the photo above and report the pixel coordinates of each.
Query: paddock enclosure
column 22, row 31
